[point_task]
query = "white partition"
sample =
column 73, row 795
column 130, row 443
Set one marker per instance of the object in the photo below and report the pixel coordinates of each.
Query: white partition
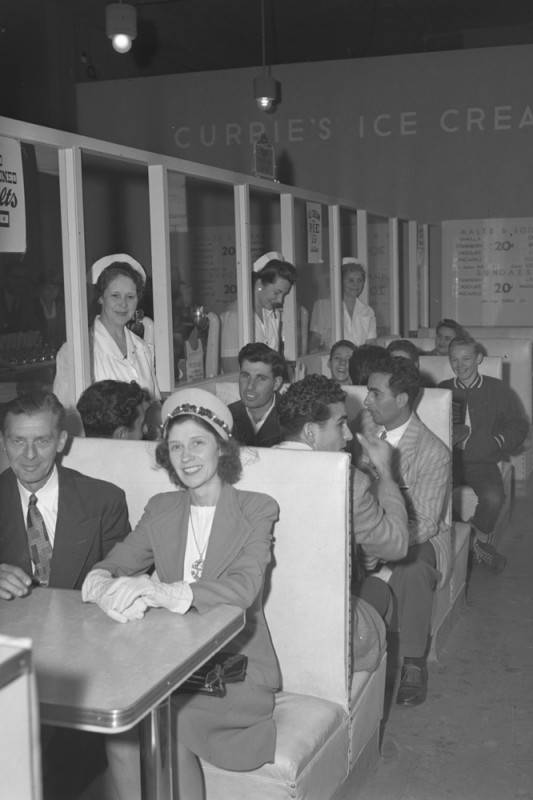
column 20, row 760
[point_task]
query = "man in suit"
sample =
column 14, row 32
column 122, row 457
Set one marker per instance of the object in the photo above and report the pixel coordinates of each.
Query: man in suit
column 255, row 415
column 423, row 471
column 55, row 524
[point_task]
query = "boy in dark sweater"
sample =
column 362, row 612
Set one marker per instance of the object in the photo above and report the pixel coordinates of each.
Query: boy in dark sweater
column 496, row 426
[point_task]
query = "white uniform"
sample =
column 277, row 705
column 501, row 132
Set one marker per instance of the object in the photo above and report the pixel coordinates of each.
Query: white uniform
column 357, row 328
column 108, row 363
column 266, row 331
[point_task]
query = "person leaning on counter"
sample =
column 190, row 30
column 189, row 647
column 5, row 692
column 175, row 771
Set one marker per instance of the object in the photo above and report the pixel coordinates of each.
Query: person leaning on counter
column 272, row 278
column 116, row 352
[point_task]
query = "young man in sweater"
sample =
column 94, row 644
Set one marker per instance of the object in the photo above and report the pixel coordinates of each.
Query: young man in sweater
column 496, row 426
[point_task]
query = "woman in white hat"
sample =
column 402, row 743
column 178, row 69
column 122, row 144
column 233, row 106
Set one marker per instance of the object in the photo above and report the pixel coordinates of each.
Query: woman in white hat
column 209, row 544
column 358, row 319
column 116, row 352
column 273, row 278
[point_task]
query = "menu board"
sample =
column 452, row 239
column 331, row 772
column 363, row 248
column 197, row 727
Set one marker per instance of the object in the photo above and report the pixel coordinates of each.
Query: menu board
column 487, row 271
column 214, row 276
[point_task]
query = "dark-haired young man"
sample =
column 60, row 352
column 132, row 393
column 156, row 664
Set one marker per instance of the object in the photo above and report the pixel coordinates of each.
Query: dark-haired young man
column 423, row 474
column 55, row 525
column 313, row 417
column 114, row 410
column 262, row 372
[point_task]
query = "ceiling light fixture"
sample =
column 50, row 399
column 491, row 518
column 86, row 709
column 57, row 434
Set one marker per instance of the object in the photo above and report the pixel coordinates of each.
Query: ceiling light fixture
column 266, row 88
column 121, row 25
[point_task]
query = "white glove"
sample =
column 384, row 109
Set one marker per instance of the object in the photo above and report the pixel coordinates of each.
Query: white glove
column 177, row 597
column 120, row 598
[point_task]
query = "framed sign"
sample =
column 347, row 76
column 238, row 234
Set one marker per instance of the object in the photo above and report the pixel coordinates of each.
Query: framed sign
column 314, row 233
column 12, row 202
column 264, row 162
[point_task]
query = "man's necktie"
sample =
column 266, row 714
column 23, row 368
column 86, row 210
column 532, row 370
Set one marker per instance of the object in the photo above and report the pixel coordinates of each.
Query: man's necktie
column 40, row 547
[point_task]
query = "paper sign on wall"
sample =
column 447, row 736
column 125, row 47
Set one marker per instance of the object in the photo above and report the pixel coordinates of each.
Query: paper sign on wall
column 12, row 203
column 314, row 233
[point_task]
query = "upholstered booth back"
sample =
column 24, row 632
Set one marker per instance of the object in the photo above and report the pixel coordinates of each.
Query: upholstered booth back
column 307, row 598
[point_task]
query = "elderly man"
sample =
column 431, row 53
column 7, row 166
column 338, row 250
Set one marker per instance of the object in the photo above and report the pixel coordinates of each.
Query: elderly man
column 55, row 524
column 262, row 372
column 313, row 417
column 424, row 473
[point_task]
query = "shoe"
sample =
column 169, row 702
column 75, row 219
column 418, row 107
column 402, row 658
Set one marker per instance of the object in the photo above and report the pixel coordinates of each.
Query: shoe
column 413, row 685
column 485, row 553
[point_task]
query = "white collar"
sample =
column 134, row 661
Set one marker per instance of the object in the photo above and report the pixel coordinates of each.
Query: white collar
column 257, row 425
column 48, row 492
column 395, row 434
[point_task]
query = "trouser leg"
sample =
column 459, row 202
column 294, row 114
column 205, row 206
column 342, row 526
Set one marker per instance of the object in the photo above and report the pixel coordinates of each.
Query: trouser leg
column 413, row 583
column 486, row 481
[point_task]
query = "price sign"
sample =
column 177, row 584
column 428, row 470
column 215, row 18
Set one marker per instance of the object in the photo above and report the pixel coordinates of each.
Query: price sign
column 487, row 268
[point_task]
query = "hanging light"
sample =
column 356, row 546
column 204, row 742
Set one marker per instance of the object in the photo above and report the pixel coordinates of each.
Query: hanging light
column 121, row 25
column 265, row 86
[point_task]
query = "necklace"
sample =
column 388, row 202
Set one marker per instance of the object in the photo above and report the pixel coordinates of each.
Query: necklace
column 197, row 566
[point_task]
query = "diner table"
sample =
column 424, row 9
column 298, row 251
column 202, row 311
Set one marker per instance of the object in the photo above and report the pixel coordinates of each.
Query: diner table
column 95, row 674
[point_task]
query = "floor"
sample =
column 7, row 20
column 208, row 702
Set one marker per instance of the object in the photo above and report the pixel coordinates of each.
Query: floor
column 473, row 737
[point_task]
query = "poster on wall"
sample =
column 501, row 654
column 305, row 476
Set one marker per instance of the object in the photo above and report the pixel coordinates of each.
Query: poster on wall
column 378, row 269
column 487, row 271
column 12, row 202
column 314, row 233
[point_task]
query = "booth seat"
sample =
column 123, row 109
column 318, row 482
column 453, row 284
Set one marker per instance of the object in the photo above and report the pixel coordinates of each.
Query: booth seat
column 328, row 713
column 435, row 411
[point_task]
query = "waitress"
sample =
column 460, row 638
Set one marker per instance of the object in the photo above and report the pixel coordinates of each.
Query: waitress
column 116, row 352
column 272, row 278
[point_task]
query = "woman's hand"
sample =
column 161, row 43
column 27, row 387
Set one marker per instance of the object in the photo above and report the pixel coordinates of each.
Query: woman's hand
column 120, row 598
column 176, row 597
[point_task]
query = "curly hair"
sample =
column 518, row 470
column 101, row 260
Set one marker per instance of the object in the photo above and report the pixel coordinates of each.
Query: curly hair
column 229, row 468
column 107, row 405
column 308, row 400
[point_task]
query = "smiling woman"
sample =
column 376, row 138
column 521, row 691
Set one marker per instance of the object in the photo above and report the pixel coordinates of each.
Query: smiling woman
column 209, row 544
column 116, row 352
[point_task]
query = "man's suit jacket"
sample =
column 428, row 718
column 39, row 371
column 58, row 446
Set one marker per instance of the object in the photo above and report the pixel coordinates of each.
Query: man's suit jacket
column 424, row 476
column 92, row 516
column 269, row 433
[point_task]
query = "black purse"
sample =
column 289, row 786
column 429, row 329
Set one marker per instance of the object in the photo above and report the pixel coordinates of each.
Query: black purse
column 213, row 676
